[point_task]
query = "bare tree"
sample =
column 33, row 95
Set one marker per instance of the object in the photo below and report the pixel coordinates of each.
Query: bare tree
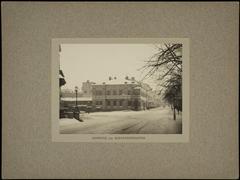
column 166, row 67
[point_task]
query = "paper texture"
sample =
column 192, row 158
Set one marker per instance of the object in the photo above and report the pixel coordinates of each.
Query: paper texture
column 27, row 147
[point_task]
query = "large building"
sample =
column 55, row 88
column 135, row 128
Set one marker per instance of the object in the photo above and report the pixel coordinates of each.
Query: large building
column 69, row 93
column 123, row 95
column 87, row 88
column 70, row 101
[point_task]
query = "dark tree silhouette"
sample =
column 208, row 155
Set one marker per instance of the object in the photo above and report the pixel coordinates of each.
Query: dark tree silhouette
column 61, row 78
column 166, row 67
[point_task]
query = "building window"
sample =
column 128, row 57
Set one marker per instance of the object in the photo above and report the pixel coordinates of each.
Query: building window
column 108, row 103
column 120, row 103
column 114, row 103
column 120, row 92
column 98, row 102
column 136, row 92
column 114, row 92
column 129, row 103
column 129, row 92
column 108, row 92
column 98, row 92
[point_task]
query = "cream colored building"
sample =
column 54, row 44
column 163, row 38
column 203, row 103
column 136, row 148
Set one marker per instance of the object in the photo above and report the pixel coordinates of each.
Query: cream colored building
column 122, row 95
column 87, row 88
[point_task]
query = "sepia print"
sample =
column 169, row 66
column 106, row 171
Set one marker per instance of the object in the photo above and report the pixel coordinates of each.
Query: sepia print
column 120, row 90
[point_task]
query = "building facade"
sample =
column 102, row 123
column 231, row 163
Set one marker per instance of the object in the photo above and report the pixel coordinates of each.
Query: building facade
column 82, row 102
column 129, row 95
column 87, row 88
column 66, row 93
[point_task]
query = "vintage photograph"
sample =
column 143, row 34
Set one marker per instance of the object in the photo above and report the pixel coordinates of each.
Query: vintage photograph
column 125, row 88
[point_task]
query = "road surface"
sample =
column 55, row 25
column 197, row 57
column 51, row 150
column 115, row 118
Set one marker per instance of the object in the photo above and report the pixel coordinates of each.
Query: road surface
column 153, row 121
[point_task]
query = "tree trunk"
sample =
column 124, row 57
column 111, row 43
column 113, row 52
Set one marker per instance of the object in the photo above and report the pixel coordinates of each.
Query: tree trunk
column 174, row 114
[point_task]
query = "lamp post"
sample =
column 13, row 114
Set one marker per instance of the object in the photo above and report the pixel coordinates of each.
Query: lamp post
column 76, row 112
column 76, row 91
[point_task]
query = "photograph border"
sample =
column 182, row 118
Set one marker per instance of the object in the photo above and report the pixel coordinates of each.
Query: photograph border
column 119, row 138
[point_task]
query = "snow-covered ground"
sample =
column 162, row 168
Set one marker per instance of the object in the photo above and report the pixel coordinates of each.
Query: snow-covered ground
column 154, row 121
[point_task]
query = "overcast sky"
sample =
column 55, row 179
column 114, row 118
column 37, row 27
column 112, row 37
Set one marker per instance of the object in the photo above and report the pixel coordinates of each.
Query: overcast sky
column 96, row 62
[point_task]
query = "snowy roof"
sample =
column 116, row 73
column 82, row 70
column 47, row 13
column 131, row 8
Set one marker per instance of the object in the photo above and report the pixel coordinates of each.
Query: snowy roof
column 74, row 98
column 122, row 81
column 117, row 81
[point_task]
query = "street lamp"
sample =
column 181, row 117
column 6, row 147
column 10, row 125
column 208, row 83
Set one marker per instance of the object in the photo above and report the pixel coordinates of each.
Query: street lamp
column 76, row 91
column 76, row 112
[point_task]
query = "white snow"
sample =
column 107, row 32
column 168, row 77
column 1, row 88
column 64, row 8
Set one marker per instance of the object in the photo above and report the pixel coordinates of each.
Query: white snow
column 74, row 98
column 154, row 121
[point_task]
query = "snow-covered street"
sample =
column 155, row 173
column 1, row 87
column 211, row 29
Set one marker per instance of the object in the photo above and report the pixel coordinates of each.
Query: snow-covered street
column 154, row 121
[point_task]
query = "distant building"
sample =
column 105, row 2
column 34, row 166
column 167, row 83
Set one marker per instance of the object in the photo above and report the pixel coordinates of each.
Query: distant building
column 70, row 93
column 123, row 95
column 82, row 102
column 87, row 88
